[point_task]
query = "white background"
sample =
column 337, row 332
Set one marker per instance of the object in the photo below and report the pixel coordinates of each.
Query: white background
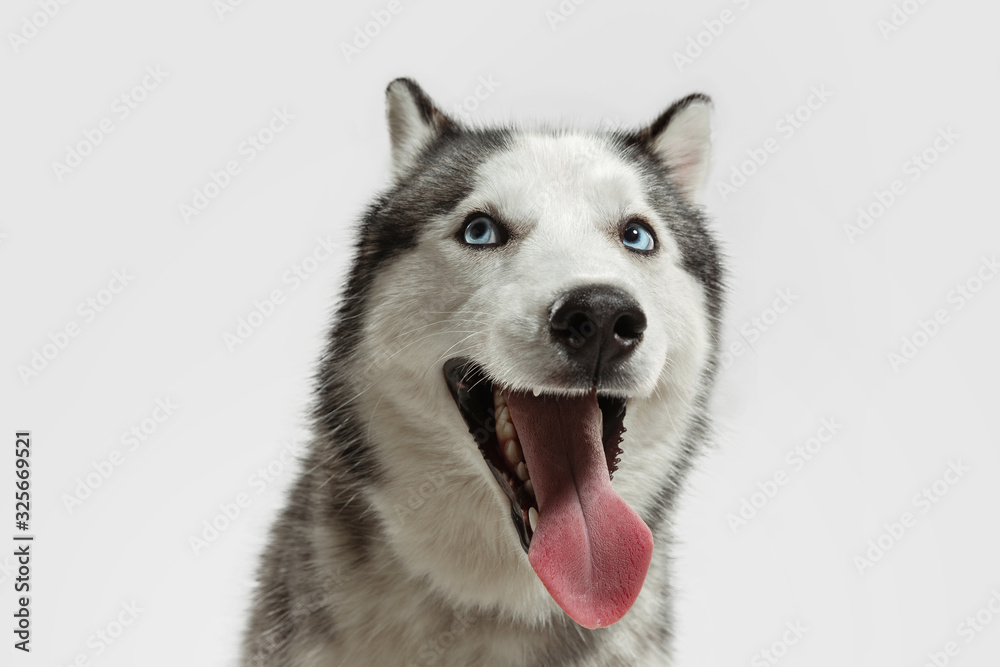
column 162, row 336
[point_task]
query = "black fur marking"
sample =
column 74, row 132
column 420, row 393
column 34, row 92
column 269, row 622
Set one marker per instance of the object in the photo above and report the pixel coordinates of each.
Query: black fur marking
column 341, row 462
column 701, row 255
column 292, row 602
column 428, row 110
column 390, row 227
column 650, row 132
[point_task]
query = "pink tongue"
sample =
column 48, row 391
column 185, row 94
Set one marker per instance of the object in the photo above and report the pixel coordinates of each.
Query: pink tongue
column 590, row 549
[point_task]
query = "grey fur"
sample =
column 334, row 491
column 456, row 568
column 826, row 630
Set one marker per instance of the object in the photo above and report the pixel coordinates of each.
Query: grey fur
column 332, row 590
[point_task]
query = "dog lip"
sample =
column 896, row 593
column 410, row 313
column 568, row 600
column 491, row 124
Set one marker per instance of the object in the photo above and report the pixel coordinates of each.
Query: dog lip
column 472, row 389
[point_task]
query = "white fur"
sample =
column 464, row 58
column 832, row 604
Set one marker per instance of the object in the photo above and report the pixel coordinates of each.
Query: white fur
column 444, row 549
column 564, row 197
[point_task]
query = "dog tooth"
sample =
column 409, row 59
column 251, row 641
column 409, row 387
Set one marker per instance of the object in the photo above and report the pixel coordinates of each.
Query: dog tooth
column 522, row 471
column 533, row 518
column 507, row 431
column 529, row 487
column 536, row 392
column 513, row 451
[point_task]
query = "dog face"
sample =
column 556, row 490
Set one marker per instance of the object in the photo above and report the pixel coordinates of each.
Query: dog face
column 536, row 295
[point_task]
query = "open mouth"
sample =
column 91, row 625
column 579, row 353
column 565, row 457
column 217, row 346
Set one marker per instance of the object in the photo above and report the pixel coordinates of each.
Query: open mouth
column 485, row 410
column 554, row 457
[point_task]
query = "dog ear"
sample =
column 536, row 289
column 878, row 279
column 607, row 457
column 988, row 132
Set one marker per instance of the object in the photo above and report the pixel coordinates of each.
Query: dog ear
column 681, row 139
column 414, row 123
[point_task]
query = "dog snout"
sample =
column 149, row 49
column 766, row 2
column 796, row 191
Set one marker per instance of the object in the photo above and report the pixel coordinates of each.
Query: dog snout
column 597, row 325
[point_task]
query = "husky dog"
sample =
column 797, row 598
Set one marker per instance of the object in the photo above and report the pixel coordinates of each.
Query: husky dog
column 519, row 299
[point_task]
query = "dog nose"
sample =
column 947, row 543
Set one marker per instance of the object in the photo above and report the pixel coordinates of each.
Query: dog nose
column 598, row 325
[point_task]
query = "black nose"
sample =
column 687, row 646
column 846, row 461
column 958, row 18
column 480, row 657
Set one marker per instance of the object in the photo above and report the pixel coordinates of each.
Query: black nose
column 597, row 325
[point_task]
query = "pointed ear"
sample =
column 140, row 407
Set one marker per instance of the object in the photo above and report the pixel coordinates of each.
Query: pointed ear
column 414, row 123
column 681, row 139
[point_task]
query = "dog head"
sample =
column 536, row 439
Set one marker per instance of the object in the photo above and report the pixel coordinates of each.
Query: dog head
column 519, row 300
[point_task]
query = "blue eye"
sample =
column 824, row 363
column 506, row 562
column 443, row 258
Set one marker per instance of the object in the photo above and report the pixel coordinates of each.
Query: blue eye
column 482, row 231
column 638, row 236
